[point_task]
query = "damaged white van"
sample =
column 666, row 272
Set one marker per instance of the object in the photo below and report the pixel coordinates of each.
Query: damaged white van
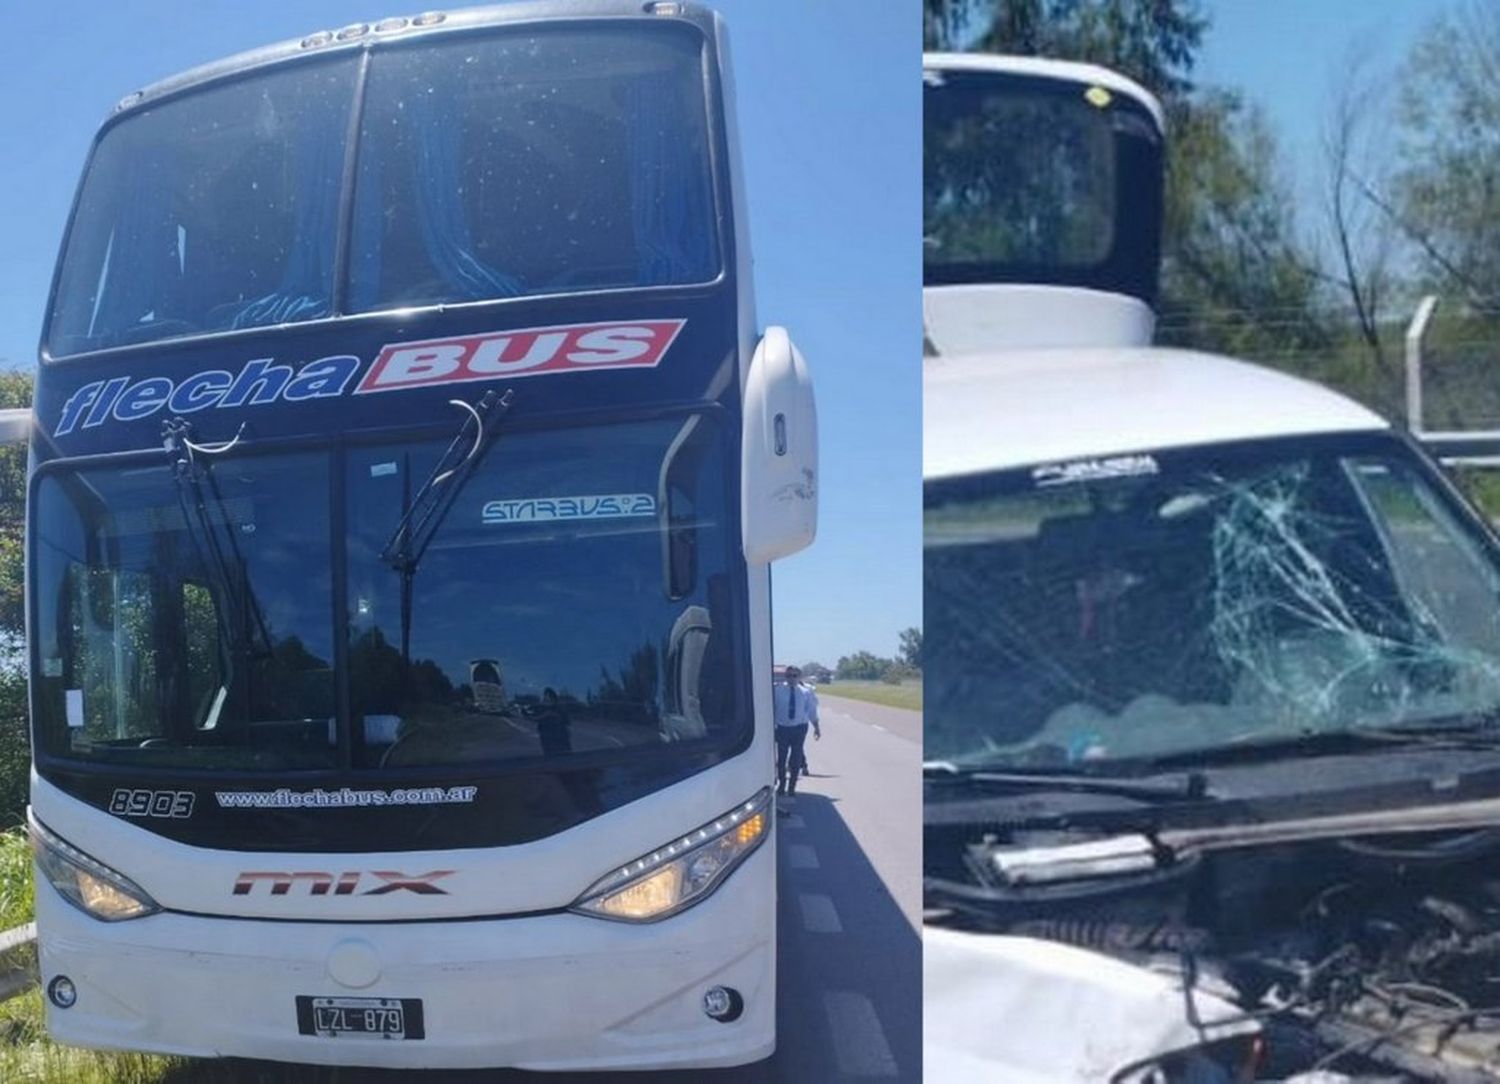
column 1213, row 657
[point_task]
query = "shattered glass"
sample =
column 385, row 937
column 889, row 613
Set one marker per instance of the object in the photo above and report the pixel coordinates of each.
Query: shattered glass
column 1315, row 642
column 1238, row 594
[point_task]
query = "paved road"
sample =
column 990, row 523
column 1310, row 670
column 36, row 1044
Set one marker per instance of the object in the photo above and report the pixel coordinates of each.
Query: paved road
column 850, row 975
column 849, row 998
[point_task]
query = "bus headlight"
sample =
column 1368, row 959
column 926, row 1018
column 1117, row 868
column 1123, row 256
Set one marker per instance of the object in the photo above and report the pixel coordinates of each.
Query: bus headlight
column 89, row 885
column 684, row 871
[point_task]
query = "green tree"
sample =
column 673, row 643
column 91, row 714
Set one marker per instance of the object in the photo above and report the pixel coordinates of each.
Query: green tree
column 15, row 746
column 15, row 391
column 1446, row 188
column 1152, row 41
column 911, row 647
column 861, row 666
column 1235, row 276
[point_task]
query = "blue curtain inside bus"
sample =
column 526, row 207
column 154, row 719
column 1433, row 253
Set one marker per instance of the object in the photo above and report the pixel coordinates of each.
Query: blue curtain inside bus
column 488, row 168
column 302, row 294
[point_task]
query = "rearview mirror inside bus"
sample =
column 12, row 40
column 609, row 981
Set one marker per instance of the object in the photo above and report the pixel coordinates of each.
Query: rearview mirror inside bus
column 779, row 490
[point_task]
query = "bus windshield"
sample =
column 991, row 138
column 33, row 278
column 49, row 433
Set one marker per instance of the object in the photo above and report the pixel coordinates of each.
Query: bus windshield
column 1135, row 606
column 486, row 166
column 1039, row 181
column 575, row 599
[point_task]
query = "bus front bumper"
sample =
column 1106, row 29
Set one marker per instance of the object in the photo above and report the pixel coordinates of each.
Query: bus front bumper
column 556, row 991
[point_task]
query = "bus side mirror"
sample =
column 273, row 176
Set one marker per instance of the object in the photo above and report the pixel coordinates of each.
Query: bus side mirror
column 779, row 464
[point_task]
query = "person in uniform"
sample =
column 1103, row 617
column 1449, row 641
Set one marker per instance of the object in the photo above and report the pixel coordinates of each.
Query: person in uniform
column 796, row 708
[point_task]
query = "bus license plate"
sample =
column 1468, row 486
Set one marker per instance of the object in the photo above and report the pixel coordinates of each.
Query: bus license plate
column 360, row 1017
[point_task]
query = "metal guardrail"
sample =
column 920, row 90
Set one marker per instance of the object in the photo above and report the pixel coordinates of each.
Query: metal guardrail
column 16, row 978
column 1464, row 448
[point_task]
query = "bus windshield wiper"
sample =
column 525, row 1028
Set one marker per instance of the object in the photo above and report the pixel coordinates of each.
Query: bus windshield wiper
column 430, row 504
column 1192, row 786
column 241, row 623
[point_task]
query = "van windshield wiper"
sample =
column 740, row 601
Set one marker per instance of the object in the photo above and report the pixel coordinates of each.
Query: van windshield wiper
column 1458, row 732
column 1186, row 787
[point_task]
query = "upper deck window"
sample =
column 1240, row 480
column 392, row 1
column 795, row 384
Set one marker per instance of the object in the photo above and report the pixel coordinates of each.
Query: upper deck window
column 490, row 165
column 210, row 212
column 1039, row 180
column 527, row 163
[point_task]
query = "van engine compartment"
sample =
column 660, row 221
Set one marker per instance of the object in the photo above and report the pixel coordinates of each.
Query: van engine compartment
column 1368, row 958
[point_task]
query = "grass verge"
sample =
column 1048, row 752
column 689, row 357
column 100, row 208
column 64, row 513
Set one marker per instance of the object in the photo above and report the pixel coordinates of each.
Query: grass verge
column 27, row 1056
column 15, row 880
column 906, row 695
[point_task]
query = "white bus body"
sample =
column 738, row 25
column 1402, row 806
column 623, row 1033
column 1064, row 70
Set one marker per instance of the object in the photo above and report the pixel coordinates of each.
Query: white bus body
column 403, row 878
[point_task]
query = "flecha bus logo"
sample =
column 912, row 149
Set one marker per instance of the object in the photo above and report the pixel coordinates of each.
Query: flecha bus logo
column 497, row 355
column 524, row 352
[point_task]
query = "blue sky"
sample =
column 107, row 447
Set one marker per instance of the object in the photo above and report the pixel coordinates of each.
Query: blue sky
column 1289, row 55
column 829, row 106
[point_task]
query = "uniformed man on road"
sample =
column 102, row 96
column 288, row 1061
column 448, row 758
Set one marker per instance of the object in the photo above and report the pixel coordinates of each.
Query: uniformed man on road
column 796, row 708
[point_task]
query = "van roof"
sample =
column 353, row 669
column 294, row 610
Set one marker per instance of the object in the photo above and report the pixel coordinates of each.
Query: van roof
column 1070, row 71
column 986, row 412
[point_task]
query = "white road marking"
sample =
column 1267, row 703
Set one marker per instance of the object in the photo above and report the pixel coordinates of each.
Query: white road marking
column 877, row 726
column 859, row 1043
column 801, row 856
column 819, row 914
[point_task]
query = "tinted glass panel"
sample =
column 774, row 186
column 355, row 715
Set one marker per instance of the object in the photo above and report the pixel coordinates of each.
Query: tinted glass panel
column 184, row 619
column 575, row 598
column 1039, row 181
column 1020, row 179
column 213, row 211
column 533, row 162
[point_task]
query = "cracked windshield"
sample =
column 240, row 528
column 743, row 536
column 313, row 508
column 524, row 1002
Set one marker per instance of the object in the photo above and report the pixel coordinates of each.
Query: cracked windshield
column 1136, row 606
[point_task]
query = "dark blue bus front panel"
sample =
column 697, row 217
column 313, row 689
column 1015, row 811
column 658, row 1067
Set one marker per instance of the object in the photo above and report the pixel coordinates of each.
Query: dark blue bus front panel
column 329, row 387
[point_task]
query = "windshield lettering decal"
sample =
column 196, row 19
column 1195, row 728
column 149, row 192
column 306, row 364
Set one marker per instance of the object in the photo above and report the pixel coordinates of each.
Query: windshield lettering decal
column 500, row 355
column 546, row 509
column 342, row 798
column 259, row 382
column 525, row 352
column 1091, row 470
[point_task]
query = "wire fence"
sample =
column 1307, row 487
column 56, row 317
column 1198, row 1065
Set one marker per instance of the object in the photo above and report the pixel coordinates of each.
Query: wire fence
column 1460, row 364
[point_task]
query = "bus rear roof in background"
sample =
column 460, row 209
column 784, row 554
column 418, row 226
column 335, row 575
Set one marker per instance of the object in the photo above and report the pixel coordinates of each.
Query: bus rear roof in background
column 1067, row 71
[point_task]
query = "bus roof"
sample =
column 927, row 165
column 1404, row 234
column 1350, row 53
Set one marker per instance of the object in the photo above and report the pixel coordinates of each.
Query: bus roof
column 398, row 28
column 1069, row 71
column 987, row 412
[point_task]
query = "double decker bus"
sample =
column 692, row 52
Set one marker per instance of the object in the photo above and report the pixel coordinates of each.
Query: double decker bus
column 407, row 466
